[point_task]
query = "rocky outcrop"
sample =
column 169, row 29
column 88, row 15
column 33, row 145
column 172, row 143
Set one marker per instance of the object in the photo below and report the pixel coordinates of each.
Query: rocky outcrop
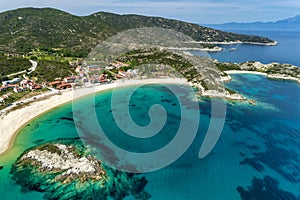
column 65, row 160
column 64, row 169
column 272, row 70
column 223, row 94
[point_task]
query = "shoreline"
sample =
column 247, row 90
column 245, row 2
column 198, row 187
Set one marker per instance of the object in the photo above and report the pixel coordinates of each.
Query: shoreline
column 269, row 76
column 239, row 42
column 245, row 72
column 214, row 49
column 15, row 120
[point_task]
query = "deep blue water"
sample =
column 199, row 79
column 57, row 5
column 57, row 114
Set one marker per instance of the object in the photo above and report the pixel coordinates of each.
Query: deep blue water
column 256, row 157
column 286, row 51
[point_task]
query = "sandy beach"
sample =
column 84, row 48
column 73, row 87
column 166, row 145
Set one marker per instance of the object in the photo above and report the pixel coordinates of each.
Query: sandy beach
column 245, row 72
column 13, row 121
column 239, row 42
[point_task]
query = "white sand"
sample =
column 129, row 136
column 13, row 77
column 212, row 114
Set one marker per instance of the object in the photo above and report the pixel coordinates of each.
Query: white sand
column 11, row 123
column 239, row 42
column 245, row 72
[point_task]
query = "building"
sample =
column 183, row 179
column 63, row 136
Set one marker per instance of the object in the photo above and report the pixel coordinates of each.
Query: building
column 3, row 89
column 70, row 79
column 81, row 73
column 93, row 80
column 122, row 73
column 55, row 83
column 64, row 86
column 26, row 83
column 78, row 69
column 35, row 87
column 18, row 89
column 133, row 71
column 6, row 96
column 13, row 81
column 12, row 85
column 85, row 80
column 118, row 64
column 110, row 67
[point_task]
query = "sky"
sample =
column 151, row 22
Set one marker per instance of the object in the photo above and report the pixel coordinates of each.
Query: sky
column 197, row 11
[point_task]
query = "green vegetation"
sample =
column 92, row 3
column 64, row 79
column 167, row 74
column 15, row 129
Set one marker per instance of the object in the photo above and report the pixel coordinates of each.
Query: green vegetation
column 13, row 97
column 19, row 96
column 122, row 69
column 204, row 85
column 227, row 66
column 31, row 94
column 141, row 57
column 26, row 29
column 286, row 69
column 12, row 65
column 109, row 74
column 51, row 148
column 230, row 91
column 271, row 69
column 50, row 70
column 56, row 54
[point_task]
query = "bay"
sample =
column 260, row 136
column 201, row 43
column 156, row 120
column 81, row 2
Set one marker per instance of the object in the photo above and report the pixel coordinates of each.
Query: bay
column 256, row 157
column 286, row 51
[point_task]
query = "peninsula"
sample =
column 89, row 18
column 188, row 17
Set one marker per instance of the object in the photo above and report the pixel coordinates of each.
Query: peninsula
column 75, row 36
column 274, row 70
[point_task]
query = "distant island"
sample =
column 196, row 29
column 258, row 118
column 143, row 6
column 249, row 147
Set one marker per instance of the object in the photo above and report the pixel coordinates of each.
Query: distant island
column 285, row 24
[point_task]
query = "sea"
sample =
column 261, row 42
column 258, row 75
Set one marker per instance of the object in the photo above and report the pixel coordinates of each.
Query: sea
column 285, row 52
column 257, row 155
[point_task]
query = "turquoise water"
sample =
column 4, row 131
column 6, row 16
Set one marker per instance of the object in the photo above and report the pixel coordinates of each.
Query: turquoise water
column 256, row 157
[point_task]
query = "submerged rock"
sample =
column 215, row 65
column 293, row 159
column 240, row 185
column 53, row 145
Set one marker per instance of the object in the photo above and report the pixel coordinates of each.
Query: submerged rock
column 266, row 188
column 64, row 170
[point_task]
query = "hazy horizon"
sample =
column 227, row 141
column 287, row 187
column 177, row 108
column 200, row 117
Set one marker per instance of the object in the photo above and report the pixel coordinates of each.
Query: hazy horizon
column 206, row 12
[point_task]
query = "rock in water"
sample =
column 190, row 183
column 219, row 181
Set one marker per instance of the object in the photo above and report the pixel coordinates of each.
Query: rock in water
column 63, row 170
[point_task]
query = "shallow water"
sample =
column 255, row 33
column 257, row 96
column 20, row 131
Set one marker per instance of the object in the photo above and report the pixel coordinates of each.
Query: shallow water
column 257, row 141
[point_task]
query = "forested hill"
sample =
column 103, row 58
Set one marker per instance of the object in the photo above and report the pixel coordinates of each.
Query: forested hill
column 25, row 29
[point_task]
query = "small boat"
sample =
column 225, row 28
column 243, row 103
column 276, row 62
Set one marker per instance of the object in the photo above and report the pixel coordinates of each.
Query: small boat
column 232, row 49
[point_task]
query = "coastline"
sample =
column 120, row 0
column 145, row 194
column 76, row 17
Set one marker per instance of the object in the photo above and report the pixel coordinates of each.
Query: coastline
column 15, row 120
column 269, row 76
column 214, row 49
column 239, row 42
column 219, row 49
column 245, row 72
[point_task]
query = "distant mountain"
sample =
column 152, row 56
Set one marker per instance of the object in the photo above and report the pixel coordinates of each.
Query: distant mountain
column 24, row 29
column 290, row 24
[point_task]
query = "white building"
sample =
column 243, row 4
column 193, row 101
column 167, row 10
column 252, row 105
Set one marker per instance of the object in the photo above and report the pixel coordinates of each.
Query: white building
column 13, row 81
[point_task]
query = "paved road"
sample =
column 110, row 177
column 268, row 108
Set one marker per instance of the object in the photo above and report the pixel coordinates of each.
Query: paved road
column 17, row 73
column 31, row 69
column 34, row 65
column 17, row 103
